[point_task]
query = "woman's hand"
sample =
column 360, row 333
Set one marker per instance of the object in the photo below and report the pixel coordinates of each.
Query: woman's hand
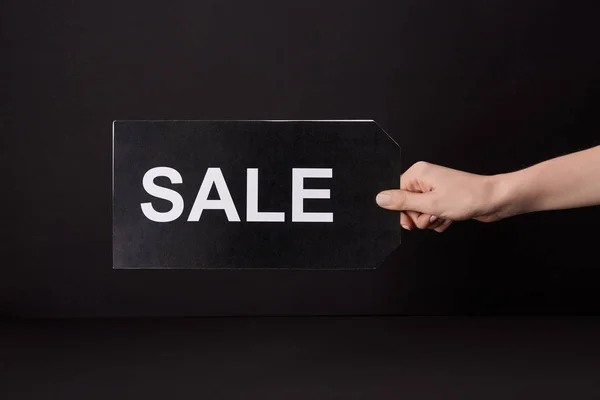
column 432, row 196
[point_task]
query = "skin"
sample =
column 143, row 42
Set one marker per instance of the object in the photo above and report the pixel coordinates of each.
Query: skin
column 432, row 196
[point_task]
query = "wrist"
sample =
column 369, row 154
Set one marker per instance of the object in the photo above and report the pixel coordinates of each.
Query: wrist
column 513, row 193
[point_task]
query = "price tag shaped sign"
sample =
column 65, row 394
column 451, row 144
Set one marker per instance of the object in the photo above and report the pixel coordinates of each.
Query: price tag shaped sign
column 254, row 194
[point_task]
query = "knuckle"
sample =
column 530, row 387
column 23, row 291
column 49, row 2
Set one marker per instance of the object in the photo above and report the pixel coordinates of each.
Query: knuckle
column 423, row 223
column 421, row 166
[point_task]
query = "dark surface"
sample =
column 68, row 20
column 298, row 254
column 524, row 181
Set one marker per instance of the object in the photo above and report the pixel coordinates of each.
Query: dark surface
column 362, row 159
column 481, row 86
column 302, row 358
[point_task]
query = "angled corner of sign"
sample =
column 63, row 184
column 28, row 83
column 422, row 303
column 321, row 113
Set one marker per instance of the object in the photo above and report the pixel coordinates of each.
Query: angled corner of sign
column 374, row 266
column 385, row 260
column 385, row 132
column 377, row 265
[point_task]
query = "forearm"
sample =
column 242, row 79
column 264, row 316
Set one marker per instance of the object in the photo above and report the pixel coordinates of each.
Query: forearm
column 569, row 181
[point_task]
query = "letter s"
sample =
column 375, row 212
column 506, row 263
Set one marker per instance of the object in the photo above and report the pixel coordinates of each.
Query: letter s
column 162, row 193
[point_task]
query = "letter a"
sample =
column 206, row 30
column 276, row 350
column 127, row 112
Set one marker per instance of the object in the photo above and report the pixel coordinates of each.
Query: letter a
column 214, row 176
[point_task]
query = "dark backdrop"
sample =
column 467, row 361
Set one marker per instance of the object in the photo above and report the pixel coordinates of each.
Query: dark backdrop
column 484, row 86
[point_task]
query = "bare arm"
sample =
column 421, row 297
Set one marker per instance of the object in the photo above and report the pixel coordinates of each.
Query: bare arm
column 569, row 181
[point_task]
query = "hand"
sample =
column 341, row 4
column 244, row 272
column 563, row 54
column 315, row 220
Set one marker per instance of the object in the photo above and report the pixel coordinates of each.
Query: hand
column 432, row 196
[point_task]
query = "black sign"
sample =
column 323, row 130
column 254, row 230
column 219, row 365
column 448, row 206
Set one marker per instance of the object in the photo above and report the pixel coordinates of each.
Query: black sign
column 252, row 194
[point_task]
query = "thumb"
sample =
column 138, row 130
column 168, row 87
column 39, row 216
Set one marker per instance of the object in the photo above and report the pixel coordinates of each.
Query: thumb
column 403, row 200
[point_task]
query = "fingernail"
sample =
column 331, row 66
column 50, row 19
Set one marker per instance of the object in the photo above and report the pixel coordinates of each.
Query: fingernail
column 406, row 227
column 433, row 219
column 383, row 199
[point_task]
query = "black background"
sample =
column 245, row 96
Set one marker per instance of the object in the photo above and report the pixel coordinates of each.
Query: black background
column 302, row 358
column 483, row 86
